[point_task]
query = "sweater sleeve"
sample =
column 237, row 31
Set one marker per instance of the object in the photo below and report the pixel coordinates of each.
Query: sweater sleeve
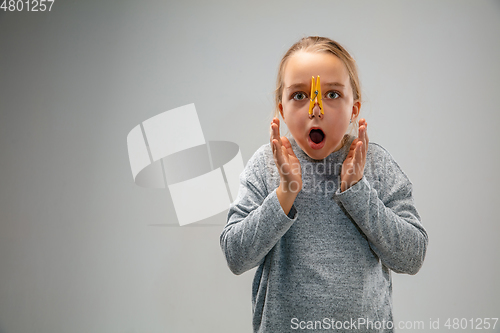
column 388, row 218
column 256, row 221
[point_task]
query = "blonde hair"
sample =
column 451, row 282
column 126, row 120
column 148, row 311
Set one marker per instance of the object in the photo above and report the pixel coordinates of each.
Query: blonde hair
column 320, row 44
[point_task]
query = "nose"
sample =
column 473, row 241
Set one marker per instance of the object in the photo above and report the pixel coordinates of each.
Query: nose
column 316, row 111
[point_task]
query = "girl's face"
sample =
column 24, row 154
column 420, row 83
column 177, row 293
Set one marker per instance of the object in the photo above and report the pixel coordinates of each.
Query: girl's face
column 337, row 97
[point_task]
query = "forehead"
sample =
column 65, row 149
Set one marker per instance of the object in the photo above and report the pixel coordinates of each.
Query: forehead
column 302, row 65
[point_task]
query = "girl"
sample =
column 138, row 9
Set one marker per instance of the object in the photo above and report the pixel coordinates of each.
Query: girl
column 324, row 216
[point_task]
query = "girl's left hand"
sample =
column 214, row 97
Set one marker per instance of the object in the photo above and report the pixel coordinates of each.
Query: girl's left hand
column 354, row 164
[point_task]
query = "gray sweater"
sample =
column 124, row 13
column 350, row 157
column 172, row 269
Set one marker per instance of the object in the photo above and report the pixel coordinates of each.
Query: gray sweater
column 327, row 264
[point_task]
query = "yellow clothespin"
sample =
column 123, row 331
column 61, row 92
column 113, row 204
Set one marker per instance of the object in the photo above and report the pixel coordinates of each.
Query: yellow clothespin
column 315, row 94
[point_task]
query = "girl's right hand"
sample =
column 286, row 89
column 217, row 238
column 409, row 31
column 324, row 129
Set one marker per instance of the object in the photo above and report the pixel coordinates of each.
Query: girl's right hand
column 288, row 167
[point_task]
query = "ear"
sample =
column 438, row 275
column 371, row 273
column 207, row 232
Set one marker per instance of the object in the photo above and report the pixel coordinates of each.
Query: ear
column 280, row 106
column 356, row 107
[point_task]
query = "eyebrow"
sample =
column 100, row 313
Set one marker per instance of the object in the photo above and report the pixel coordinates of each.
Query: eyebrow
column 303, row 85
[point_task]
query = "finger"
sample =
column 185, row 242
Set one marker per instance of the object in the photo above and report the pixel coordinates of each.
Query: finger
column 273, row 148
column 278, row 153
column 364, row 138
column 276, row 130
column 275, row 121
column 362, row 121
column 358, row 154
column 360, row 129
column 365, row 124
column 288, row 146
column 362, row 134
column 352, row 148
column 271, row 132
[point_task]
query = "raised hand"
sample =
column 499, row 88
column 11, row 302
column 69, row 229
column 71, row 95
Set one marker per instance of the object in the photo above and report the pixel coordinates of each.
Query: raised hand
column 354, row 164
column 288, row 167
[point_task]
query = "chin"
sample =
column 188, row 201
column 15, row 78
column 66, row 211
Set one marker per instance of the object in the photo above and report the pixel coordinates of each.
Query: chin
column 316, row 155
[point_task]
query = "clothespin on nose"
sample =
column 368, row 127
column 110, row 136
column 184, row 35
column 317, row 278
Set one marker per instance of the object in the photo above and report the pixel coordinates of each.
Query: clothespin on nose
column 315, row 96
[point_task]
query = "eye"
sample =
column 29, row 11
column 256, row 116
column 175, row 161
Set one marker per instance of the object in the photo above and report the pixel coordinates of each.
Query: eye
column 298, row 96
column 332, row 95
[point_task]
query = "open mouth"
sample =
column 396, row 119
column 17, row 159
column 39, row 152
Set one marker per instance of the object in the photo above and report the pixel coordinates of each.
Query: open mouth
column 316, row 135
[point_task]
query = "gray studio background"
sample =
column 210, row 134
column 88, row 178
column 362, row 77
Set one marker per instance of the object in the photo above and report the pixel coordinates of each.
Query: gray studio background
column 84, row 249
